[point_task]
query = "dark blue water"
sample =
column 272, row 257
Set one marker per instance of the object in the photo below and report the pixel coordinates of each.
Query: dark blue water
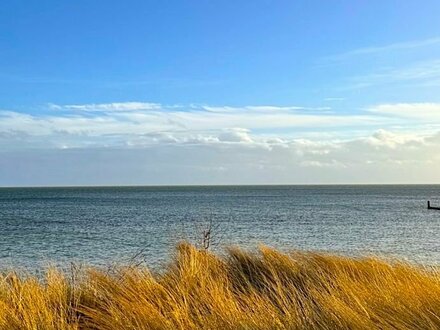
column 104, row 225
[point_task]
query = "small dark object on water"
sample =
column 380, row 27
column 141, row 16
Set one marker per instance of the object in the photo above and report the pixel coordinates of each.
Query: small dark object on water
column 432, row 207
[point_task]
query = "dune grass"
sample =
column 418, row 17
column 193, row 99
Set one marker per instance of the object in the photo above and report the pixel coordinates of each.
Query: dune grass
column 242, row 290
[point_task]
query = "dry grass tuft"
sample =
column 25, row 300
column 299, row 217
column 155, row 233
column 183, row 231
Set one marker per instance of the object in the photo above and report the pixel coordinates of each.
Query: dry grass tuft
column 264, row 290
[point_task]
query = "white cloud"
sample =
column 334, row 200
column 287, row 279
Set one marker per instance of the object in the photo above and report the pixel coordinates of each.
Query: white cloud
column 383, row 157
column 235, row 135
column 263, row 144
column 383, row 138
column 428, row 112
column 315, row 163
column 113, row 124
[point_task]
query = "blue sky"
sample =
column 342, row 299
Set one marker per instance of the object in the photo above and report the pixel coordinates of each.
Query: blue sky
column 304, row 91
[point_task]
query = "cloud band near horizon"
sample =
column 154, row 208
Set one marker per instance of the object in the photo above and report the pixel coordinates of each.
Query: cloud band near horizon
column 149, row 143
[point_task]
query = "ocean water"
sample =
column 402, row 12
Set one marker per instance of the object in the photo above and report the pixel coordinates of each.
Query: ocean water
column 102, row 226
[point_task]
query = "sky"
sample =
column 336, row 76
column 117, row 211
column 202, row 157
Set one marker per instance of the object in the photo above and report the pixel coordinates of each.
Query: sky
column 219, row 92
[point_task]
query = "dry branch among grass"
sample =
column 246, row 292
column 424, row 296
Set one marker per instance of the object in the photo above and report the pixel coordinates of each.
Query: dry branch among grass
column 199, row 290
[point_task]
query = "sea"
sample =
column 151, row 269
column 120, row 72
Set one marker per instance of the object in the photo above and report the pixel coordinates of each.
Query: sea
column 107, row 226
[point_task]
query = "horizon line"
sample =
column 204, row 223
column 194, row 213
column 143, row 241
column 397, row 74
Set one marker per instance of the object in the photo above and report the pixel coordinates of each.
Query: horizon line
column 219, row 185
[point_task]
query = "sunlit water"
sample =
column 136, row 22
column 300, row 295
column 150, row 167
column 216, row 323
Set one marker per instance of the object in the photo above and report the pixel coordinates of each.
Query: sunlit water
column 101, row 226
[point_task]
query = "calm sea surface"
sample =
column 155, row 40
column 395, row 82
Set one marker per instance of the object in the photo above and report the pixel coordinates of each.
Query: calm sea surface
column 104, row 225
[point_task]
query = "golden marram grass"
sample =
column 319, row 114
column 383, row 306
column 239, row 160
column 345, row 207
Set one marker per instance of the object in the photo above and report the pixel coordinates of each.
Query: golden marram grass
column 242, row 290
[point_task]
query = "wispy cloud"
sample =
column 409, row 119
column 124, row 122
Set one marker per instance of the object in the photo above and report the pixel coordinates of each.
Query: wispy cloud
column 334, row 99
column 136, row 123
column 423, row 72
column 141, row 124
column 116, row 106
column 399, row 46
